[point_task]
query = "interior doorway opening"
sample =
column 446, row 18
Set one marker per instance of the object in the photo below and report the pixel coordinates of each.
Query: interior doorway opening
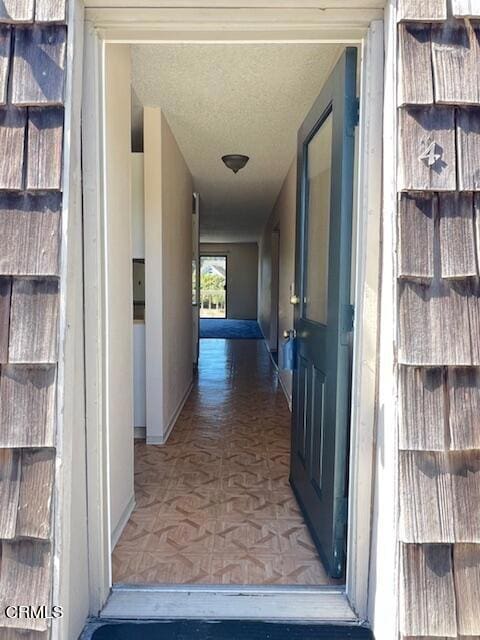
column 213, row 286
column 183, row 401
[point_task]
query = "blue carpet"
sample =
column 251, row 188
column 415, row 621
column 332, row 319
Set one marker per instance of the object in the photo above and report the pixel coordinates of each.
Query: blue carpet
column 230, row 329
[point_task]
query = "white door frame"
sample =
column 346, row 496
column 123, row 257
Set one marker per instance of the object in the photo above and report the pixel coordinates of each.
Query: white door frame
column 361, row 27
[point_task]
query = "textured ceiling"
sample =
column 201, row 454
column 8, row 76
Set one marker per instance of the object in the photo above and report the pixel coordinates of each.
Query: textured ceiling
column 233, row 98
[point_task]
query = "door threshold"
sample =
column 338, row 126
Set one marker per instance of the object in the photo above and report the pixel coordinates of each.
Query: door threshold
column 230, row 602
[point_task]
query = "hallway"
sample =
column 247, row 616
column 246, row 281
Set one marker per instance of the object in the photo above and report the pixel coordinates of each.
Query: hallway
column 214, row 505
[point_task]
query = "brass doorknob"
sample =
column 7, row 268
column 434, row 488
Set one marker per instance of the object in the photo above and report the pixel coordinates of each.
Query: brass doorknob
column 294, row 299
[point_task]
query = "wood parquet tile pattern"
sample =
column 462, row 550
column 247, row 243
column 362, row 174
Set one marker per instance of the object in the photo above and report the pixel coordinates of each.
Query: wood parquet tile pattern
column 214, row 504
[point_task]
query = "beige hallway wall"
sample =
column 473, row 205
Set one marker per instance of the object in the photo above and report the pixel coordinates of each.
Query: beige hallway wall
column 242, row 276
column 168, row 289
column 119, row 384
column 283, row 219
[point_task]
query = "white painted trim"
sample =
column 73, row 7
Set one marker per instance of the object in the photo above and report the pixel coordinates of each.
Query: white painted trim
column 367, row 282
column 71, row 284
column 95, row 322
column 306, row 604
column 357, row 582
column 163, row 439
column 127, row 512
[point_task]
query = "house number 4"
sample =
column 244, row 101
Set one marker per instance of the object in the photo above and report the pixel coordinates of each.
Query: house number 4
column 430, row 155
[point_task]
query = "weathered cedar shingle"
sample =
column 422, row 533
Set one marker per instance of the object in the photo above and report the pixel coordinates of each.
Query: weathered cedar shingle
column 33, row 321
column 468, row 148
column 426, row 510
column 5, row 295
column 27, row 406
column 25, row 578
column 439, row 323
column 16, row 10
column 416, row 217
column 464, row 407
column 427, row 600
column 423, row 419
column 439, row 496
column 415, row 74
column 455, row 54
column 465, row 473
column 466, row 8
column 9, row 491
column 466, row 565
column 30, row 230
column 50, row 10
column 422, row 10
column 12, row 136
column 457, row 236
column 5, row 39
column 36, row 486
column 45, row 136
column 427, row 149
column 39, row 65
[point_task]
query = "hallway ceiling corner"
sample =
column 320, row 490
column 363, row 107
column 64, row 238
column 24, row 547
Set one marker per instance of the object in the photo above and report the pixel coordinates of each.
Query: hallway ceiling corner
column 233, row 98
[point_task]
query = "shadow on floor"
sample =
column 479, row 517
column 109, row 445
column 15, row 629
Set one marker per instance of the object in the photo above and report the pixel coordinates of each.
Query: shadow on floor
column 223, row 630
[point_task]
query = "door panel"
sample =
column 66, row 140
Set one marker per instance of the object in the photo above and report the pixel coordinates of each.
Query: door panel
column 321, row 399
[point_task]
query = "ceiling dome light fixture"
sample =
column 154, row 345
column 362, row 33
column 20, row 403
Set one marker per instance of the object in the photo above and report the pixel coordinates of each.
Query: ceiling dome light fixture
column 235, row 161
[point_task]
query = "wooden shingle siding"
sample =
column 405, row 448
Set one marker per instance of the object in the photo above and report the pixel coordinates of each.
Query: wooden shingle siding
column 16, row 11
column 5, row 40
column 38, row 65
column 27, row 406
column 50, row 10
column 33, row 321
column 428, row 604
column 12, row 138
column 468, row 149
column 422, row 10
column 466, row 561
column 416, row 86
column 440, row 493
column 455, row 53
column 9, row 491
column 45, row 136
column 439, row 319
column 439, row 323
column 426, row 510
column 30, row 229
column 34, row 502
column 416, row 235
column 5, row 297
column 464, row 407
column 457, row 235
column 25, row 578
column 33, row 39
column 427, row 149
column 466, row 8
column 422, row 395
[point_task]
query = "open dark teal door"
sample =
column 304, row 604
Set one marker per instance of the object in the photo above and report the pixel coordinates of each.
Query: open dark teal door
column 323, row 315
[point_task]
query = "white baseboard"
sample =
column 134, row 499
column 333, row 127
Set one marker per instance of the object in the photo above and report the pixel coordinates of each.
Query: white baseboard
column 124, row 518
column 139, row 433
column 163, row 439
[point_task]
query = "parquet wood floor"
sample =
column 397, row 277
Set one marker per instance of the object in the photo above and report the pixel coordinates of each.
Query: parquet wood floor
column 214, row 504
